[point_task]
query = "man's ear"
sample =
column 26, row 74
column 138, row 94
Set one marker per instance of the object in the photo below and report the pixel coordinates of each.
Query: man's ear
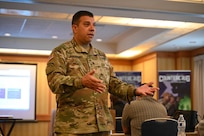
column 74, row 28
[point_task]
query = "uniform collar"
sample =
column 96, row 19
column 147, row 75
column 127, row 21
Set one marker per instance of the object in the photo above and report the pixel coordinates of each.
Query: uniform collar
column 79, row 48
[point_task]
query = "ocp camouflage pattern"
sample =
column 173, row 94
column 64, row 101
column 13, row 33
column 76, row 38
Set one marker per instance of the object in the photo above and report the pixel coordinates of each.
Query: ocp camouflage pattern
column 80, row 109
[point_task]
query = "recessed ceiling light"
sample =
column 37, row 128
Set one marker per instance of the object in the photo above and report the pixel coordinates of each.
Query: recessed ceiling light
column 99, row 40
column 7, row 34
column 54, row 37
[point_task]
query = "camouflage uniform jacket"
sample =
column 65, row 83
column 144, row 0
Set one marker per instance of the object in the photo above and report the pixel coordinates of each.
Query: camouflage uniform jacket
column 80, row 109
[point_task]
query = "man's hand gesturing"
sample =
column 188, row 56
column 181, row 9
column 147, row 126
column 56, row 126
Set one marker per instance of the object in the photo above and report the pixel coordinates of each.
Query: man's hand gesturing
column 92, row 82
column 146, row 89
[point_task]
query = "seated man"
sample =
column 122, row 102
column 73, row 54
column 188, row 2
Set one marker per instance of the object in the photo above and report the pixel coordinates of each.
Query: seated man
column 144, row 107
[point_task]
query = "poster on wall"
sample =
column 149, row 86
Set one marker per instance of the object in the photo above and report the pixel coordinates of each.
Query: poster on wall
column 133, row 77
column 174, row 91
column 130, row 77
column 118, row 104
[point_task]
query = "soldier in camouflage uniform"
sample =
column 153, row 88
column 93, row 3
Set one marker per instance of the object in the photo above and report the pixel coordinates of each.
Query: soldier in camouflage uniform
column 81, row 77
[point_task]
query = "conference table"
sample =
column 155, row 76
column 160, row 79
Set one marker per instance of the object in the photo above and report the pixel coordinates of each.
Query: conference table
column 117, row 134
column 195, row 133
column 7, row 120
column 187, row 134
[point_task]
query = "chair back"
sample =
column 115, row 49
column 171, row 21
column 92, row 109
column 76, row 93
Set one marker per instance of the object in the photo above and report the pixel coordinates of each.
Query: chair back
column 52, row 122
column 159, row 127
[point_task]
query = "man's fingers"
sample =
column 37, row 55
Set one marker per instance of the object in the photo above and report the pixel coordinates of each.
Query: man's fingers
column 150, row 84
column 92, row 82
column 99, row 90
column 92, row 72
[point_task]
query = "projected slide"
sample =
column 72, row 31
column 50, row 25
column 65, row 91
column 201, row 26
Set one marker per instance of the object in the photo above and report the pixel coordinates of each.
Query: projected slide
column 18, row 90
column 14, row 86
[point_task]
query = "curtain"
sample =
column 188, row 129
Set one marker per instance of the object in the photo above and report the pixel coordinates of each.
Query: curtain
column 198, row 89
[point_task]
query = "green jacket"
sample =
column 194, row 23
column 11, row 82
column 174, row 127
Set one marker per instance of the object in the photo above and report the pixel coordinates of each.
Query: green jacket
column 80, row 109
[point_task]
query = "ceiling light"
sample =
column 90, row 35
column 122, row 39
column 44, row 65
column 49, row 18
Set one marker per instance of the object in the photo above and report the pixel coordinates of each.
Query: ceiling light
column 99, row 40
column 128, row 53
column 103, row 19
column 54, row 37
column 155, row 23
column 141, row 22
column 7, row 34
column 52, row 15
column 189, row 1
column 16, row 12
column 114, row 20
column 19, row 1
column 24, row 51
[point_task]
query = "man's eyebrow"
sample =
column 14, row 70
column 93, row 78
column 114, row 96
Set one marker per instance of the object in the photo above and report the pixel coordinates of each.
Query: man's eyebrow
column 86, row 21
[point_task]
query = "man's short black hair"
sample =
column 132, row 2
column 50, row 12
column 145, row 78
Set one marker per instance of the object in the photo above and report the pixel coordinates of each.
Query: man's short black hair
column 77, row 15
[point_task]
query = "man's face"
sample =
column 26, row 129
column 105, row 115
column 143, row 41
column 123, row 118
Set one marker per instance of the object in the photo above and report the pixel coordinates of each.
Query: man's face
column 85, row 30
